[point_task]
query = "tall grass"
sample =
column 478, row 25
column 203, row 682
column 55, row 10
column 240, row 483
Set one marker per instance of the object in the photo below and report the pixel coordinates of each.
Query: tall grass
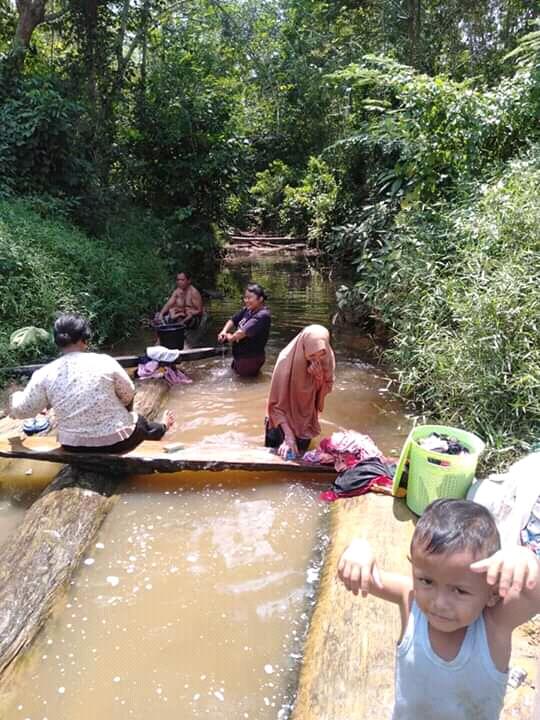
column 460, row 288
column 47, row 266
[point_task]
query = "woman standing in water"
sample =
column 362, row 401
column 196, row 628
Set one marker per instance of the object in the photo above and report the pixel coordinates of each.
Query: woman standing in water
column 302, row 378
column 249, row 340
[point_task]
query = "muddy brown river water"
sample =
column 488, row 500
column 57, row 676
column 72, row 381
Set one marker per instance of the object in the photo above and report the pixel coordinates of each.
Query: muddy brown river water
column 194, row 599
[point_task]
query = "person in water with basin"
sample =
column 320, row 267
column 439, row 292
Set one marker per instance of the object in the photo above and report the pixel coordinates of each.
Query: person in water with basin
column 303, row 376
column 91, row 395
column 248, row 332
column 458, row 611
column 184, row 307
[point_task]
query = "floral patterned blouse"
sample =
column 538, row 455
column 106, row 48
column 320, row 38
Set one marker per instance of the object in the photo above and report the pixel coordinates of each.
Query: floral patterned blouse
column 88, row 392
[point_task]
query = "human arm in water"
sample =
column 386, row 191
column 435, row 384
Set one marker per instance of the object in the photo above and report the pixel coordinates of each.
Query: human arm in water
column 289, row 442
column 225, row 331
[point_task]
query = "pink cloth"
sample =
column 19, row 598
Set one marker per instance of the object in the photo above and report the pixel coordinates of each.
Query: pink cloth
column 351, row 442
column 317, row 457
column 176, row 377
column 147, row 370
column 344, row 449
column 152, row 371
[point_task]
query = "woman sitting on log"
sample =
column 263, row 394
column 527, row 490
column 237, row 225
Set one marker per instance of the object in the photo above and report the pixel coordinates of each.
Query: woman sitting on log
column 302, row 378
column 91, row 395
column 249, row 340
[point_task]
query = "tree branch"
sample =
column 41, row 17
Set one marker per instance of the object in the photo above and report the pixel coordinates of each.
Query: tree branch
column 53, row 17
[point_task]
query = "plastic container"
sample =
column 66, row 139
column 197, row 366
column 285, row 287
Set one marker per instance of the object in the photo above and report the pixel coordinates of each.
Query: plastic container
column 434, row 475
column 171, row 336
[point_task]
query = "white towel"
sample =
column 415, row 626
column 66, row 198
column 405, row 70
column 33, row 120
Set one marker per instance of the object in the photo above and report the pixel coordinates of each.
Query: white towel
column 162, row 354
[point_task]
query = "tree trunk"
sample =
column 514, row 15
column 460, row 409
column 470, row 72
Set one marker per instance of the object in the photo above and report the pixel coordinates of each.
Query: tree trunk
column 39, row 558
column 31, row 14
column 413, row 25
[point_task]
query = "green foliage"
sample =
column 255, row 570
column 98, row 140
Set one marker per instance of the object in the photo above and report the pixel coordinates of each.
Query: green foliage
column 38, row 139
column 49, row 266
column 284, row 205
column 268, row 193
column 460, row 289
column 308, row 208
column 527, row 53
column 183, row 152
column 425, row 136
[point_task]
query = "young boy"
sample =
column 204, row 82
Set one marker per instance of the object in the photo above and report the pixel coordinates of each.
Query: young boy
column 458, row 611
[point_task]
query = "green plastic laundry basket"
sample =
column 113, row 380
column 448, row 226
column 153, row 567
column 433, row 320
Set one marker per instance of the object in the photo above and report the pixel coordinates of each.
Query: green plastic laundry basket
column 434, row 475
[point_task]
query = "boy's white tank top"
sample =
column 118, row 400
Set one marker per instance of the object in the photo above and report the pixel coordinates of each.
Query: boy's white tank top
column 469, row 687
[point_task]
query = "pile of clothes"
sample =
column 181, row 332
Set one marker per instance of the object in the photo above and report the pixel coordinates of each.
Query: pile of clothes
column 437, row 442
column 159, row 363
column 360, row 464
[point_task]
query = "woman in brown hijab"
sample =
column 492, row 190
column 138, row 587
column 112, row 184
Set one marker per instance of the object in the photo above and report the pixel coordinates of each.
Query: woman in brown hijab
column 302, row 378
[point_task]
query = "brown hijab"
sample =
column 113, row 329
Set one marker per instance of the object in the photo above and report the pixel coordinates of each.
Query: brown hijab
column 296, row 395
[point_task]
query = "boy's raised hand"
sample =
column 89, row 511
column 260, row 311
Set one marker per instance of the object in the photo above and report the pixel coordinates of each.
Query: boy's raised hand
column 357, row 568
column 513, row 569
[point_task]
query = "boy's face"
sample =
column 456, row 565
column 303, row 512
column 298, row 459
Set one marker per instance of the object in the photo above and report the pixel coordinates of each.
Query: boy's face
column 447, row 591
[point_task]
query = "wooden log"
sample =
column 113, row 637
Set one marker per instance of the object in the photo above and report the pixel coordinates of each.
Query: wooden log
column 348, row 665
column 276, row 240
column 157, row 457
column 40, row 556
column 129, row 361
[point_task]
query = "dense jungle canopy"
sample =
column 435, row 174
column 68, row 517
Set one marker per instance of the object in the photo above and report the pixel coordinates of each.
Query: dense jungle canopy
column 399, row 136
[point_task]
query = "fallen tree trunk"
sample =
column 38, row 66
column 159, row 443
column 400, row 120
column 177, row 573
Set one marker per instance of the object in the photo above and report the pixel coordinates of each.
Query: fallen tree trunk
column 276, row 239
column 156, row 457
column 130, row 361
column 348, row 659
column 40, row 556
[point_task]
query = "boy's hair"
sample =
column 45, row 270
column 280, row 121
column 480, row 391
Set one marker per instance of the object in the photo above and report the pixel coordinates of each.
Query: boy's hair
column 69, row 329
column 449, row 526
